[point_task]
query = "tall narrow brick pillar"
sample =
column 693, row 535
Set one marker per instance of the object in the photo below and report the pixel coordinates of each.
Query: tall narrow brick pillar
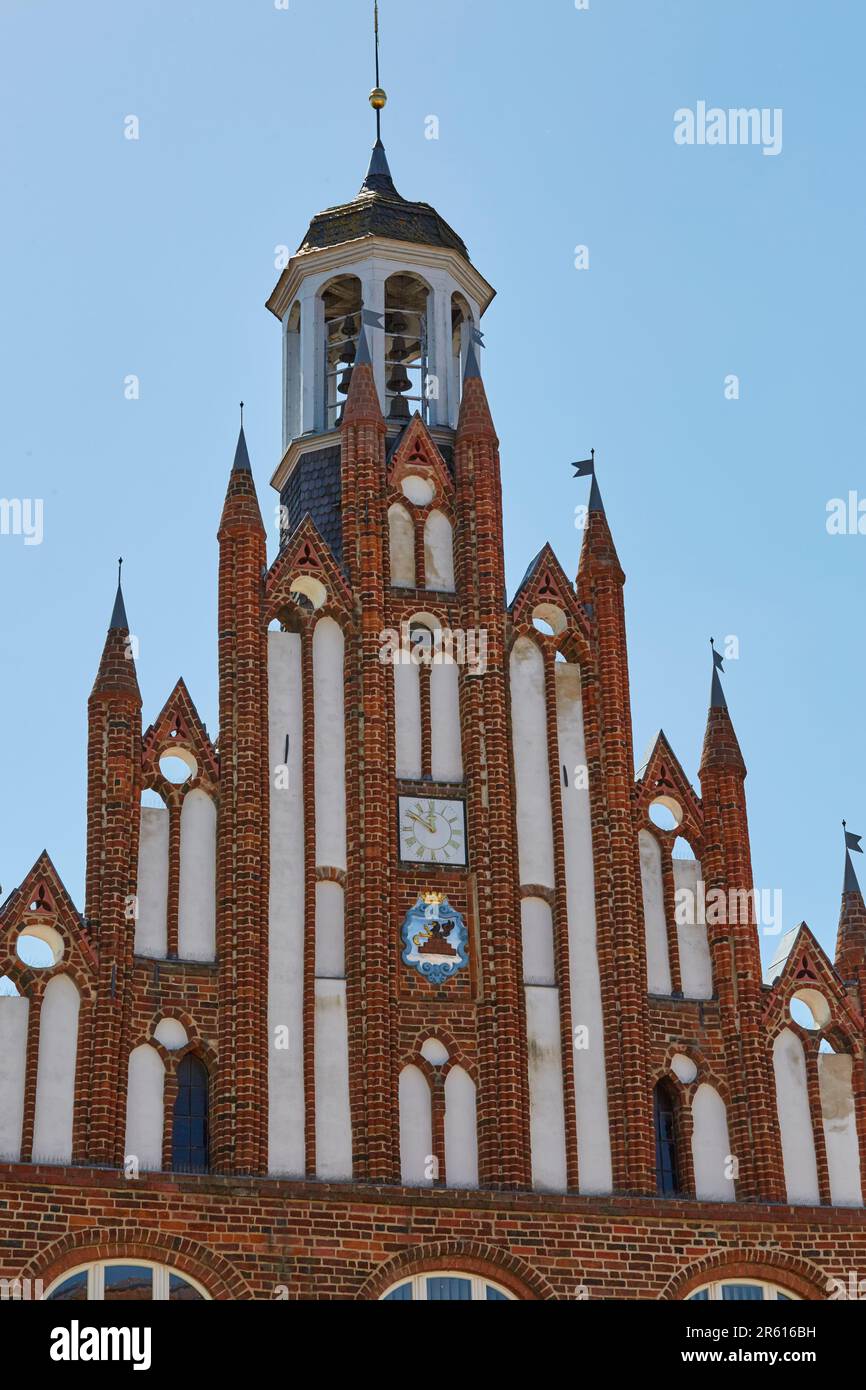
column 851, row 936
column 490, row 810
column 727, row 865
column 240, row 1119
column 619, row 900
column 365, row 526
column 113, row 814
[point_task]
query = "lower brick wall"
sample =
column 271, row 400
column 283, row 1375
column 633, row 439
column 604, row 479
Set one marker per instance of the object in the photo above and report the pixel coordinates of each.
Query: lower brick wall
column 265, row 1239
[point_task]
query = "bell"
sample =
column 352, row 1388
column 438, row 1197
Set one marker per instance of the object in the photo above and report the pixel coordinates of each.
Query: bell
column 399, row 379
column 345, row 381
column 396, row 323
column 397, row 350
column 399, row 409
column 349, row 327
column 347, row 352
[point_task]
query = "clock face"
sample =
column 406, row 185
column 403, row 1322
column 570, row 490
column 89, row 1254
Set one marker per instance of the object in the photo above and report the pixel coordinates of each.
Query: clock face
column 432, row 831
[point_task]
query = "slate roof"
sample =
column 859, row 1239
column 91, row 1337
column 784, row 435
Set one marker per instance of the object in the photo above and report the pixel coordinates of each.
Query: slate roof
column 379, row 210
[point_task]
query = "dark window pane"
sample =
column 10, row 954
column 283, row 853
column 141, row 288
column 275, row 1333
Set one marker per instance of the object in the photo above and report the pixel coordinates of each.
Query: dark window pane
column 742, row 1293
column 179, row 1291
column 784, row 1297
column 189, row 1147
column 494, row 1296
column 128, row 1283
column 702, row 1294
column 72, row 1290
column 401, row 1295
column 453, row 1290
column 667, row 1172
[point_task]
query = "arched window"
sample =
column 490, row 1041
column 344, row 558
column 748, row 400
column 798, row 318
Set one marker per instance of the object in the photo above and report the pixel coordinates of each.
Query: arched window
column 125, row 1281
column 418, row 1165
column 342, row 315
column 447, row 1287
column 189, row 1139
column 742, row 1291
column 406, row 348
column 461, row 330
column 665, row 1123
column 401, row 535
column 292, row 376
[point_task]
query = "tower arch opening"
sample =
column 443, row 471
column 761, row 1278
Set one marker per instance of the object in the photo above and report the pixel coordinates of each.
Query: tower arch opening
column 341, row 304
column 406, row 347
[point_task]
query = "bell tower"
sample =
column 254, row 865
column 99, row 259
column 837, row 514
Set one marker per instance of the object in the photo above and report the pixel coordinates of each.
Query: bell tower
column 396, row 268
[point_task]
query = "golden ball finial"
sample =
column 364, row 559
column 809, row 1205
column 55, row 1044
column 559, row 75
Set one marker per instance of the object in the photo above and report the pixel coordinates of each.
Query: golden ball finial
column 378, row 98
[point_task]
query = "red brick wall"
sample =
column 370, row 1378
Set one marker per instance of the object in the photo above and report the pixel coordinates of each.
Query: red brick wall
column 247, row 1238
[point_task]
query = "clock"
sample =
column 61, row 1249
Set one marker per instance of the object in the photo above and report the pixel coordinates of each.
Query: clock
column 432, row 830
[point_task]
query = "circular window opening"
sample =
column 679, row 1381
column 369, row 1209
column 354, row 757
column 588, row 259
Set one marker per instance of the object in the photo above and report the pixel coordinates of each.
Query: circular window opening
column 39, row 947
column 178, row 766
column 666, row 813
column 810, row 1009
column 308, row 590
column 420, row 491
column 549, row 619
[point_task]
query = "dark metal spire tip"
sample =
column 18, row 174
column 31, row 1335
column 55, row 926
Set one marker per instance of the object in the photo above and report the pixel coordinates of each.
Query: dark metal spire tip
column 851, row 884
column 472, row 368
column 595, row 502
column 242, row 458
column 118, row 612
column 378, row 178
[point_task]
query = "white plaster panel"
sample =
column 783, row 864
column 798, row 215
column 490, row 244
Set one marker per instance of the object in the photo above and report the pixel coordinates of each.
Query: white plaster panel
column 14, row 1013
column 536, row 922
column 658, row 967
column 286, row 908
column 196, row 918
column 711, row 1146
column 529, row 732
column 151, row 929
column 55, row 1081
column 407, row 712
column 401, row 531
column 144, row 1107
column 546, row 1106
column 330, row 744
column 835, row 1073
column 446, row 758
column 330, row 927
column 593, row 1131
column 696, row 966
column 795, row 1120
column 461, row 1139
column 439, row 553
column 333, row 1118
column 416, row 1129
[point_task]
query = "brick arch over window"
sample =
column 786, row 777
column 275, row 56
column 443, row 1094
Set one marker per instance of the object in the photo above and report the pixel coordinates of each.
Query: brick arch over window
column 475, row 1258
column 788, row 1271
column 221, row 1279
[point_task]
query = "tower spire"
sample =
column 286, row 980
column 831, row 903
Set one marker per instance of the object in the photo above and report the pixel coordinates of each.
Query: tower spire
column 118, row 613
column 378, row 179
column 851, row 936
column 378, row 97
column 717, row 694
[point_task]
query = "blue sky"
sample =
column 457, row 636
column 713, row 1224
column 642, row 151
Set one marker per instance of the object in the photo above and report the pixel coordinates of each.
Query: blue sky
column 155, row 256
